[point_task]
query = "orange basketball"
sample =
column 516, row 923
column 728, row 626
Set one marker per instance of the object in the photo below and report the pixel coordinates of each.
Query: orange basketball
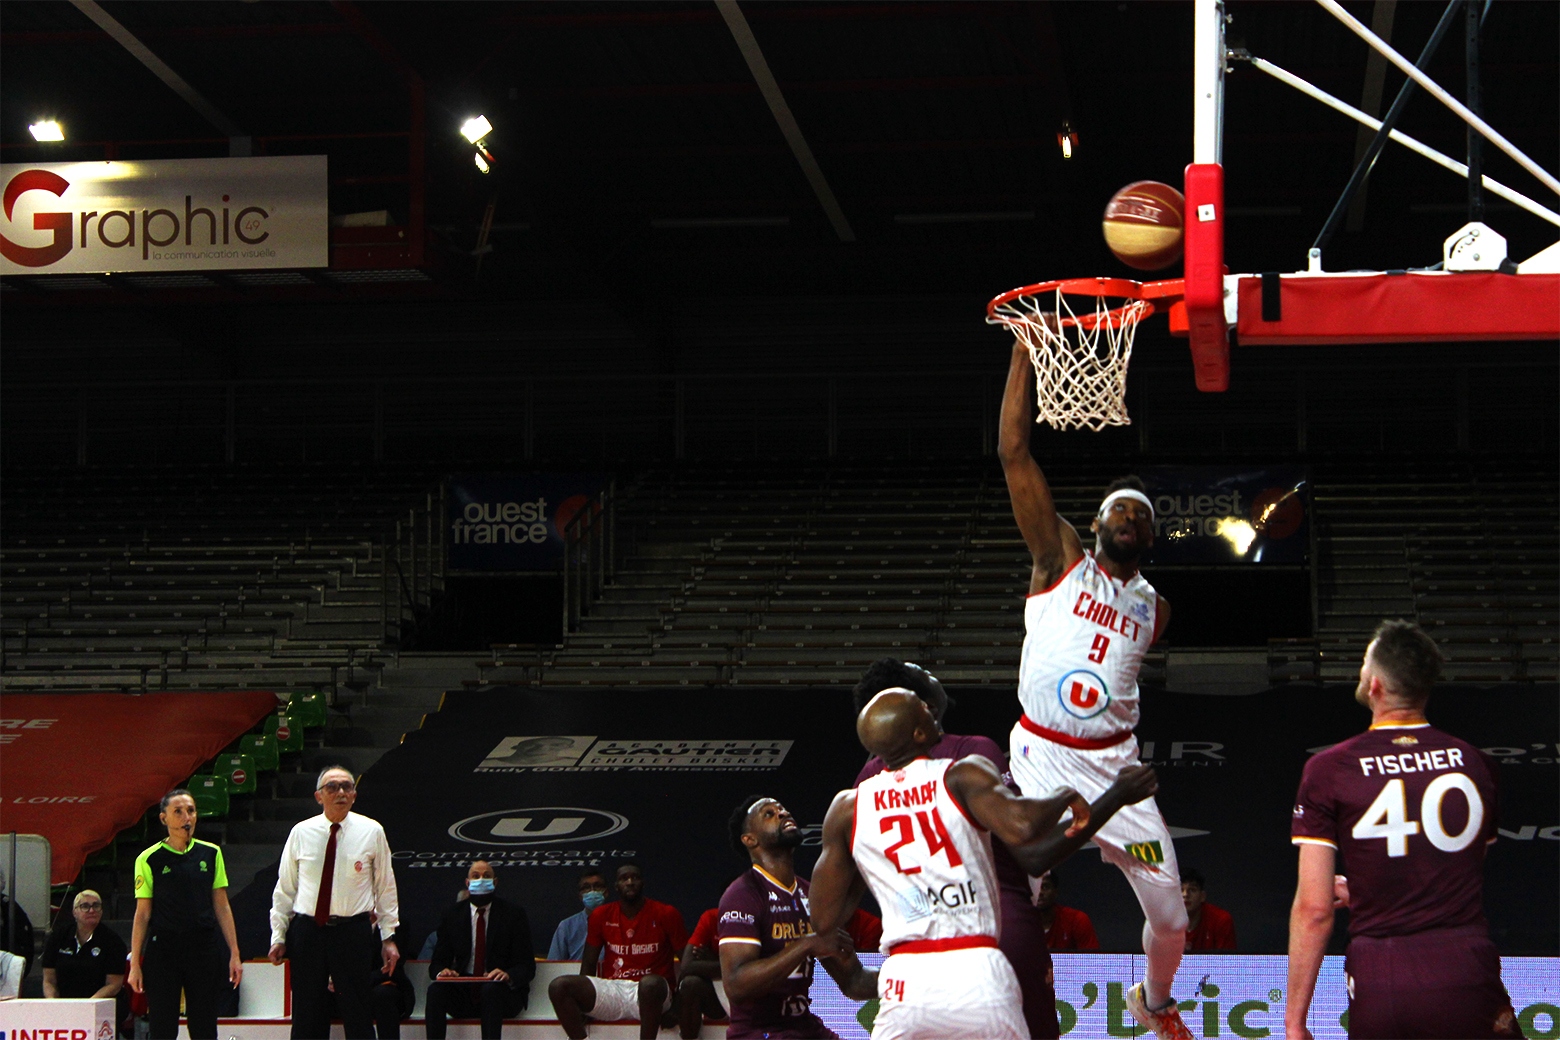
column 1144, row 223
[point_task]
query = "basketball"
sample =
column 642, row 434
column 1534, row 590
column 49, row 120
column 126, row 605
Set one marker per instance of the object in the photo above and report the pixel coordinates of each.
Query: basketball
column 1143, row 225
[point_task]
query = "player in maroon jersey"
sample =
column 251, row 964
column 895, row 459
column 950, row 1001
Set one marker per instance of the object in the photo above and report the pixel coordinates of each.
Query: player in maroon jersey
column 1410, row 810
column 767, row 945
column 631, row 943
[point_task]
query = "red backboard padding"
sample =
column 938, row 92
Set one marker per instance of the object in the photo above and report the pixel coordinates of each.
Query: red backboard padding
column 80, row 768
column 1403, row 308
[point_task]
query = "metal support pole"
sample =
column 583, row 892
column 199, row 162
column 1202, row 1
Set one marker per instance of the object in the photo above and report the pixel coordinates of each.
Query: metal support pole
column 1475, row 142
column 1388, row 123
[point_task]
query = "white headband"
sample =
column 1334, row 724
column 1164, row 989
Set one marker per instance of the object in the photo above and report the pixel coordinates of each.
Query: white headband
column 1136, row 496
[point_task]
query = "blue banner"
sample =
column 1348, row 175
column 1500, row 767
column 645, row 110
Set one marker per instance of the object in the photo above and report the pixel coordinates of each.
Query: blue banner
column 1215, row 514
column 513, row 522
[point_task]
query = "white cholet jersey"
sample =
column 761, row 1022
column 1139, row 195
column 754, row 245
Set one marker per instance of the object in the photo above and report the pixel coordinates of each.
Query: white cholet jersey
column 928, row 864
column 1084, row 640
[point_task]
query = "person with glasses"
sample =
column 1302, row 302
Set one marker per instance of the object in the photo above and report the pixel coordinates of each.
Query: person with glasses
column 181, row 900
column 335, row 873
column 84, row 959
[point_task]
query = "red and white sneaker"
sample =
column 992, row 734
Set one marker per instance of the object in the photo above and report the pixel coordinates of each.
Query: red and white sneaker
column 1165, row 1023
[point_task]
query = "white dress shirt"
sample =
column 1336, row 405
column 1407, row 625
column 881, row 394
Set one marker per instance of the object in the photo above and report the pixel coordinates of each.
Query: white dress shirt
column 363, row 879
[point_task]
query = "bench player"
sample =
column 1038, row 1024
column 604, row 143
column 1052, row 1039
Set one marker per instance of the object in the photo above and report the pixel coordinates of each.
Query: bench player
column 1410, row 809
column 1088, row 620
column 917, row 834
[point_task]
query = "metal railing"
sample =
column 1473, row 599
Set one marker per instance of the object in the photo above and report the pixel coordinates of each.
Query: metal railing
column 412, row 569
column 589, row 556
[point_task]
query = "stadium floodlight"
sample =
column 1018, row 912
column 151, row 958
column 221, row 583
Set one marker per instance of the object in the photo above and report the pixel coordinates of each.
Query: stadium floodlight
column 1068, row 139
column 47, row 130
column 482, row 164
column 475, row 129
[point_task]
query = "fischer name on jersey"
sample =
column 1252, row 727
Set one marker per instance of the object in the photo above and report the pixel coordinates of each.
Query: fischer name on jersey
column 927, row 863
column 1084, row 641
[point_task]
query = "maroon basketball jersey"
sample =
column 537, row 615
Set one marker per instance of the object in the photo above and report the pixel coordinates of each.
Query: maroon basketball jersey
column 1410, row 810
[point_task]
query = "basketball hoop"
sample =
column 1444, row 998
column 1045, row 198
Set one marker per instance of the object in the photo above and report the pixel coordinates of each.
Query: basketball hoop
column 1079, row 334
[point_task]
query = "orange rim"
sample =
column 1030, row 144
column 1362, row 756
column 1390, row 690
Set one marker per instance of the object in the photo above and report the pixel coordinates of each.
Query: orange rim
column 1122, row 287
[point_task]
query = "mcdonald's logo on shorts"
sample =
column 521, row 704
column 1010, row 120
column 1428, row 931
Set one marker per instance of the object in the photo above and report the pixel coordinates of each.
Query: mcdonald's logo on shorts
column 1150, row 852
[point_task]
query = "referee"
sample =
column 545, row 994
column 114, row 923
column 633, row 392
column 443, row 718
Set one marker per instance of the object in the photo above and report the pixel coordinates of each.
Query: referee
column 181, row 900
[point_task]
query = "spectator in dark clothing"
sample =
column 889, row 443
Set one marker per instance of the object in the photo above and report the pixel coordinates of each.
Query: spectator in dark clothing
column 483, row 936
column 390, row 999
column 1208, row 927
column 83, row 959
column 21, row 943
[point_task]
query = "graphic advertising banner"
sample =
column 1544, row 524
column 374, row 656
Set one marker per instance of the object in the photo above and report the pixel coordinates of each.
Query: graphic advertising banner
column 545, row 782
column 513, row 522
column 160, row 215
column 1219, row 996
column 1208, row 514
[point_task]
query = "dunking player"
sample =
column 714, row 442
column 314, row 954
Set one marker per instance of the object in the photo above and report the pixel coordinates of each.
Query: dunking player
column 1023, row 935
column 1089, row 618
column 917, row 834
column 1411, row 810
column 767, row 944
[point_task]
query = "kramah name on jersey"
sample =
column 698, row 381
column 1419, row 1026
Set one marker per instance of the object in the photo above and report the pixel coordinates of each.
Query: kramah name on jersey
column 1106, row 616
column 923, row 794
column 1413, row 761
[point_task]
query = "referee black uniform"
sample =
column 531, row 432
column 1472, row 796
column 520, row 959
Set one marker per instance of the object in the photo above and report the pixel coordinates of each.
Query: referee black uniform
column 184, row 948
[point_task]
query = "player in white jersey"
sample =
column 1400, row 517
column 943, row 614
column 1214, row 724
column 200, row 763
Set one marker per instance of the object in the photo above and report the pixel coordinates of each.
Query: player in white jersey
column 1088, row 621
column 919, row 834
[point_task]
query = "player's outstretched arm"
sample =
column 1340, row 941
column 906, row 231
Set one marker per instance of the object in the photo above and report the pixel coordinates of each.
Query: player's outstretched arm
column 836, row 883
column 1053, row 544
column 849, row 974
column 1132, row 785
column 1015, row 820
column 1310, row 926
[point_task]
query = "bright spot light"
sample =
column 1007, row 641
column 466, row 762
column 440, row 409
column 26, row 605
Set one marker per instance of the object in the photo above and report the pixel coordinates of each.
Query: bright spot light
column 482, row 164
column 1238, row 533
column 476, row 128
column 1066, row 147
column 48, row 130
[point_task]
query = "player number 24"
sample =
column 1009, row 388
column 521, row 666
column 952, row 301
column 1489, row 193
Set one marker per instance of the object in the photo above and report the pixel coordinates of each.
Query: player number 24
column 1387, row 816
column 932, row 829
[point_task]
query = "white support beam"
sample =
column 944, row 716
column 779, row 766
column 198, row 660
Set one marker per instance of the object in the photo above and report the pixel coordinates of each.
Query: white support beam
column 737, row 22
column 1208, row 82
column 238, row 139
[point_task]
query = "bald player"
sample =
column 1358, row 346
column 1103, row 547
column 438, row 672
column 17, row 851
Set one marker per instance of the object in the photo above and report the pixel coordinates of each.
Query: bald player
column 919, row 835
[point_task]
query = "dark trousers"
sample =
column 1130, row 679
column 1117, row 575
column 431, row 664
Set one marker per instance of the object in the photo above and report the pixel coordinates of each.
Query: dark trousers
column 187, row 961
column 385, row 1003
column 1435, row 984
column 341, row 954
column 490, row 1001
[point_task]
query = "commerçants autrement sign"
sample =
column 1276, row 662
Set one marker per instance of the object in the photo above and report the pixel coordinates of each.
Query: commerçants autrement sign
column 164, row 215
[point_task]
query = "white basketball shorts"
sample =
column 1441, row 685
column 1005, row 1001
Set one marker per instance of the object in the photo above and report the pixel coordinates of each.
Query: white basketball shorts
column 1136, row 839
column 956, row 993
column 617, row 1000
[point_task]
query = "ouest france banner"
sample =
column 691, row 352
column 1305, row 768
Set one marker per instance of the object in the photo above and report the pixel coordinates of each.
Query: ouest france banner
column 162, row 215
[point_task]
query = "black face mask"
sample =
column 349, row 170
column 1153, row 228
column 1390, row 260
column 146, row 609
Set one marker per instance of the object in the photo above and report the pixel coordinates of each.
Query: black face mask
column 482, row 900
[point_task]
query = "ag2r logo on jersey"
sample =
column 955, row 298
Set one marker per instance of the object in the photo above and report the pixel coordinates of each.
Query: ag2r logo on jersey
column 1082, row 694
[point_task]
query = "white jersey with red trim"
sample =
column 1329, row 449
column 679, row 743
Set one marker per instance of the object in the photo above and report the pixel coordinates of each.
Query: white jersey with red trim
column 1084, row 640
column 927, row 863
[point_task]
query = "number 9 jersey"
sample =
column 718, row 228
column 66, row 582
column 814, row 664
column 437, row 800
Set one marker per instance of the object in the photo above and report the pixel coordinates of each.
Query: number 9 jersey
column 1410, row 810
column 1084, row 641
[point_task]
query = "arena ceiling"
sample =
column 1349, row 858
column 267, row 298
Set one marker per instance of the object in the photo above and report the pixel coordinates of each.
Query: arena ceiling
column 638, row 155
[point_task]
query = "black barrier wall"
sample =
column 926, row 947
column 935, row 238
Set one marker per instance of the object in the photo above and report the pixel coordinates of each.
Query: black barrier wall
column 542, row 782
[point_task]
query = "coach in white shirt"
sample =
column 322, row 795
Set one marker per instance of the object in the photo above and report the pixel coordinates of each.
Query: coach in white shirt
column 335, row 871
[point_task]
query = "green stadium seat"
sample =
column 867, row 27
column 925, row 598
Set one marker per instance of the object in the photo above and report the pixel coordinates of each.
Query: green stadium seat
column 211, row 795
column 262, row 748
column 307, row 708
column 288, row 734
column 240, row 772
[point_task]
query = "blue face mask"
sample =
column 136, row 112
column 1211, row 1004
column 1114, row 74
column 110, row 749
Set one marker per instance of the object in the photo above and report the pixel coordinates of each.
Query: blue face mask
column 593, row 899
column 482, row 886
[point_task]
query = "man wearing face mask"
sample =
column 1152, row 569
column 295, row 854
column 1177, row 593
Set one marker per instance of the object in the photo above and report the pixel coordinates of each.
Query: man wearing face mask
column 481, row 937
column 568, row 942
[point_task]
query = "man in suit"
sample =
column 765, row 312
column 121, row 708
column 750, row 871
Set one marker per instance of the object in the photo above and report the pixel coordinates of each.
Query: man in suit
column 481, row 936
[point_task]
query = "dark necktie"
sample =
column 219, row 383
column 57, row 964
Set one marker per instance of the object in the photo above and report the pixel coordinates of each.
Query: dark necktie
column 327, row 877
column 479, row 957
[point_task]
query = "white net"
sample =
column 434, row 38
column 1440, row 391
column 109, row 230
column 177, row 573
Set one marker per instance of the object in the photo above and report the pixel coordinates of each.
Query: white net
column 1080, row 344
